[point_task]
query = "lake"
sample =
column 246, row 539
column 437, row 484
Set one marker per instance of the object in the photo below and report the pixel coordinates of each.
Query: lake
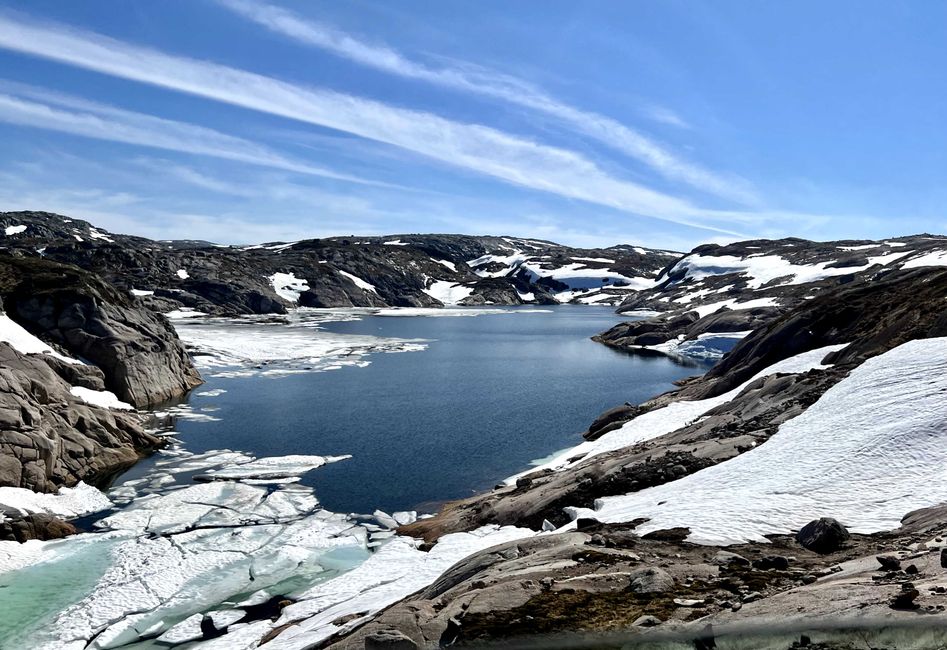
column 487, row 395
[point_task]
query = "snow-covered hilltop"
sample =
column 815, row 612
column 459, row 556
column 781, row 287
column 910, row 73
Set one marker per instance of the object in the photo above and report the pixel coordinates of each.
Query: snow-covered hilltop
column 395, row 271
column 715, row 295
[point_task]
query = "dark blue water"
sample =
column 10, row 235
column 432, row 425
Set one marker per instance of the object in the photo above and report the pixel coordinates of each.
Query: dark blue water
column 489, row 394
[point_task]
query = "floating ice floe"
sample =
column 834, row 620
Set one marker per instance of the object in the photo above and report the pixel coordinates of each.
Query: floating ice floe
column 276, row 349
column 440, row 312
column 214, row 392
column 183, row 551
column 277, row 467
column 710, row 345
column 858, row 454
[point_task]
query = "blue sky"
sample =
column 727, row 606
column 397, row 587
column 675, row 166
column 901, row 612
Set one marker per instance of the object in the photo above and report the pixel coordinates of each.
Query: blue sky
column 658, row 123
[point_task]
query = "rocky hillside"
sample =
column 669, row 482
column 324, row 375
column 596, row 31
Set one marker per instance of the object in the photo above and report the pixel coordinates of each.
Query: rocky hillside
column 703, row 302
column 77, row 356
column 398, row 270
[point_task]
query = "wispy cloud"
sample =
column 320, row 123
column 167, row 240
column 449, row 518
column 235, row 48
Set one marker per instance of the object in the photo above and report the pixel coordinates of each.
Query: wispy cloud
column 470, row 146
column 38, row 108
column 496, row 85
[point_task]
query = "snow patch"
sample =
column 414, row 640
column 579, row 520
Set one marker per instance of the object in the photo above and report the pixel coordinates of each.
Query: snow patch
column 184, row 312
column 672, row 417
column 287, row 286
column 103, row 398
column 67, row 502
column 450, row 265
column 705, row 310
column 934, row 258
column 25, row 343
column 184, row 275
column 14, row 230
column 449, row 293
column 858, row 455
column 359, row 282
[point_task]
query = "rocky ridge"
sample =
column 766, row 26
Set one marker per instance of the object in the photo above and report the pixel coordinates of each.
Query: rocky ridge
column 717, row 294
column 396, row 270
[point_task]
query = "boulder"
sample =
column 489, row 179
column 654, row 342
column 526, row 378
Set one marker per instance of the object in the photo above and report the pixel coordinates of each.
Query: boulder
column 35, row 526
column 650, row 580
column 726, row 558
column 825, row 535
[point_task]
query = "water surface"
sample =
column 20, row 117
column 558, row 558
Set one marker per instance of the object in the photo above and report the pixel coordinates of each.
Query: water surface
column 489, row 394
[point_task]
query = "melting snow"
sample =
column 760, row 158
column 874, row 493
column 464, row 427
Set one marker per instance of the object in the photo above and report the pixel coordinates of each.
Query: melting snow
column 761, row 270
column 103, row 398
column 14, row 230
column 395, row 242
column 672, row 417
column 395, row 571
column 68, row 502
column 859, row 455
column 184, row 312
column 449, row 293
column 95, row 234
column 142, row 292
column 184, row 275
column 704, row 310
column 359, row 282
column 287, row 286
column 935, row 258
column 24, row 342
column 450, row 265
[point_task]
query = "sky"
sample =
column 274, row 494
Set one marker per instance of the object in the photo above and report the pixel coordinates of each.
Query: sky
column 665, row 124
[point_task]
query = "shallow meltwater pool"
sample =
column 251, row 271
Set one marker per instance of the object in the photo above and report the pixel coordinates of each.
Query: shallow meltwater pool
column 302, row 422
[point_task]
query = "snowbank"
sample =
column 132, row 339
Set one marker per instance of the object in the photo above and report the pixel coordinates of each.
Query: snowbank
column 672, row 417
column 873, row 448
column 24, row 342
column 103, row 398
